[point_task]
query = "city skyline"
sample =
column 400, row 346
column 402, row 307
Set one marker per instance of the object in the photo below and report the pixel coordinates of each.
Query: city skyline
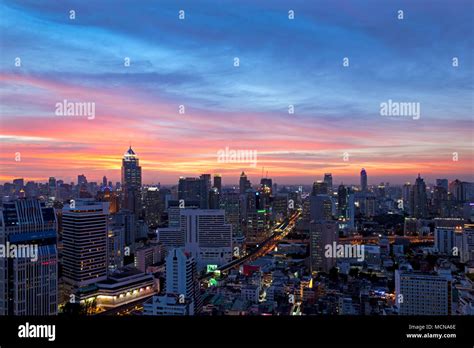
column 337, row 125
column 254, row 179
column 204, row 166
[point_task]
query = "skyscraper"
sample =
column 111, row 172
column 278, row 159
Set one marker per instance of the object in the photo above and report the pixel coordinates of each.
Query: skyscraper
column 214, row 198
column 341, row 200
column 153, row 206
column 230, row 202
column 29, row 279
column 205, row 189
column 418, row 199
column 52, row 184
column 322, row 233
column 442, row 183
column 131, row 181
column 266, row 184
column 208, row 238
column 406, row 189
column 244, row 183
column 85, row 239
column 81, row 180
column 459, row 190
column 195, row 189
column 363, row 180
column 328, row 180
column 322, row 207
column 218, row 182
column 319, row 188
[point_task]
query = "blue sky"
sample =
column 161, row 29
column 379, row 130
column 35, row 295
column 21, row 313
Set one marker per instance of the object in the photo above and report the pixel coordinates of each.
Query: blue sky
column 282, row 62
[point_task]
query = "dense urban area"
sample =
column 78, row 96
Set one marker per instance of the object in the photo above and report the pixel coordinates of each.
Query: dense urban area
column 202, row 247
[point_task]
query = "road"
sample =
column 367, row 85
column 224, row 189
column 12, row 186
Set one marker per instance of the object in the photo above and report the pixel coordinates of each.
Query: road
column 279, row 232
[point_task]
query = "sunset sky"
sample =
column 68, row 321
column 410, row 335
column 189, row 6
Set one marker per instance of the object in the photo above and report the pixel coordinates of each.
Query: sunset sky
column 283, row 62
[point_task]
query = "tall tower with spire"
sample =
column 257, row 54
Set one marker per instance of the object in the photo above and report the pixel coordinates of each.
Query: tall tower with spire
column 131, row 181
column 363, row 180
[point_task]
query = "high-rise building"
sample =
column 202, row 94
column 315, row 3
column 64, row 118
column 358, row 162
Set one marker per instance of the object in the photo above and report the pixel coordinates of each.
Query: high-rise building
column 406, row 189
column 370, row 206
column 131, row 181
column 230, row 203
column 266, row 185
column 280, row 206
column 85, row 240
column 81, row 180
column 418, row 199
column 244, row 183
column 322, row 207
column 264, row 195
column 350, row 211
column 174, row 209
column 181, row 278
column 28, row 279
column 256, row 227
column 153, row 206
column 466, row 245
column 322, row 233
column 442, row 183
column 440, row 200
column 205, row 189
column 52, row 184
column 181, row 274
column 19, row 184
column 341, row 200
column 195, row 189
column 444, row 239
column 182, row 295
column 328, row 181
column 319, row 188
column 127, row 220
column 447, row 231
column 171, row 237
column 116, row 247
column 105, row 194
column 363, row 180
column 214, row 198
column 218, row 182
column 461, row 191
column 208, row 238
column 422, row 294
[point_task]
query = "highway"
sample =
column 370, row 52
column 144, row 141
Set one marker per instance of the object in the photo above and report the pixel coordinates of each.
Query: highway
column 279, row 232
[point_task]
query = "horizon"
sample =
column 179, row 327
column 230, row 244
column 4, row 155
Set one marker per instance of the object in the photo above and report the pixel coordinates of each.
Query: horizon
column 255, row 179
